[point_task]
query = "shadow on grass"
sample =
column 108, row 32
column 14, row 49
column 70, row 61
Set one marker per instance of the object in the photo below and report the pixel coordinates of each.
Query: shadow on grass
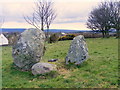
column 16, row 71
column 53, row 74
column 49, row 75
column 72, row 65
column 28, row 74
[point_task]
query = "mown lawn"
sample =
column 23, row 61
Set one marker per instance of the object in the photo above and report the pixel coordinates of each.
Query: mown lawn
column 99, row 71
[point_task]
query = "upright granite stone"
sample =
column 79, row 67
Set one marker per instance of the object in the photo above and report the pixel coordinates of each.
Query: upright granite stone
column 78, row 51
column 29, row 49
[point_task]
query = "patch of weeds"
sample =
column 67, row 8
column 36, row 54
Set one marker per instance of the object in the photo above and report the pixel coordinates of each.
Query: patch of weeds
column 72, row 76
column 59, row 78
column 84, row 64
column 95, row 72
column 85, row 75
column 68, row 81
column 45, row 86
column 113, row 83
column 79, row 84
column 95, row 52
column 52, row 74
column 90, row 59
column 13, row 85
column 15, row 71
column 73, row 66
column 99, row 53
column 106, row 85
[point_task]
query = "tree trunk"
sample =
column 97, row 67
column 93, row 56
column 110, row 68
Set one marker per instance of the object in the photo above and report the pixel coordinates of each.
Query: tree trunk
column 47, row 31
column 107, row 34
column 42, row 24
column 103, row 34
column 47, row 34
column 118, row 33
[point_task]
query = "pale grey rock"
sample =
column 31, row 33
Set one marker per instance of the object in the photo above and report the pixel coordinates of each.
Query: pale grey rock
column 28, row 49
column 41, row 68
column 78, row 51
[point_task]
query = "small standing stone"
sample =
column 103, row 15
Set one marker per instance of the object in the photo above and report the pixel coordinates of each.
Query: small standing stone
column 78, row 51
column 28, row 49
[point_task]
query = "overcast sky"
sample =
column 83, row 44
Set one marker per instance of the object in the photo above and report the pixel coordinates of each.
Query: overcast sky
column 71, row 14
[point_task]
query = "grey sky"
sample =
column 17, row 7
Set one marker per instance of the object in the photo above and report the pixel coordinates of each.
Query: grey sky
column 70, row 14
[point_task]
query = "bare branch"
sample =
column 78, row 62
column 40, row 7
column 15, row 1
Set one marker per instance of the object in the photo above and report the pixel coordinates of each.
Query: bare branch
column 2, row 20
column 43, row 15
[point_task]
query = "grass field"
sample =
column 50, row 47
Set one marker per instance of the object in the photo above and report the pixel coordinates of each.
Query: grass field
column 99, row 71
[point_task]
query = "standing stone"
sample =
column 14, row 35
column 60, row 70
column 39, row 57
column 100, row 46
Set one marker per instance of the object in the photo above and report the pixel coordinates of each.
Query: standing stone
column 78, row 51
column 29, row 49
column 41, row 68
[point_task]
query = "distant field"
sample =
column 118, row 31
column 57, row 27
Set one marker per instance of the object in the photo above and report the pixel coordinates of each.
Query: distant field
column 99, row 71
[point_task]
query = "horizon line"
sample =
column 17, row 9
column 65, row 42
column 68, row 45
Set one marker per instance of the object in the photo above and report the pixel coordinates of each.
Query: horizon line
column 46, row 29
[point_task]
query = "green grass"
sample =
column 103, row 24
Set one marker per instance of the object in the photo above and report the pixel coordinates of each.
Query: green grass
column 99, row 71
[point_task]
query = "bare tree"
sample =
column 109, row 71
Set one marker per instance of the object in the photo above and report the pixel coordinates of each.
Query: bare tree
column 96, row 20
column 43, row 15
column 90, row 26
column 104, row 17
column 117, row 25
column 115, row 17
column 1, row 21
column 50, row 16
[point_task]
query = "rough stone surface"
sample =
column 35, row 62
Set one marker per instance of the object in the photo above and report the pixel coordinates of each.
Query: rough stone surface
column 41, row 68
column 78, row 51
column 28, row 49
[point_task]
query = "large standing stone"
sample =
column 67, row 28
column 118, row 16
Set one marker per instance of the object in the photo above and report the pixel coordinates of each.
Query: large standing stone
column 29, row 48
column 41, row 68
column 78, row 51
